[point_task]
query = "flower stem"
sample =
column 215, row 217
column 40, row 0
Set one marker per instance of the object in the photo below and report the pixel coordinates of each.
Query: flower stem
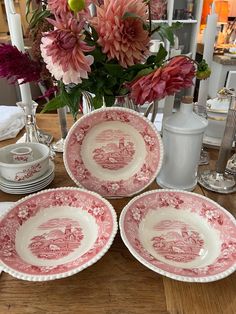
column 149, row 18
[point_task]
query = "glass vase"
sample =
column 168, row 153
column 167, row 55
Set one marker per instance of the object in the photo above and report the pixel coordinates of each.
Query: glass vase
column 201, row 111
column 218, row 180
column 125, row 101
column 59, row 145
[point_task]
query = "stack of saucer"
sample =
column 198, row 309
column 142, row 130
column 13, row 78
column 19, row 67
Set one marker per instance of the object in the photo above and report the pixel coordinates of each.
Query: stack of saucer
column 25, row 168
column 28, row 186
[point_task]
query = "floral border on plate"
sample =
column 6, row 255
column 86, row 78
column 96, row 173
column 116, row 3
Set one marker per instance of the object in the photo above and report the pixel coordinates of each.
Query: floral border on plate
column 213, row 214
column 50, row 273
column 122, row 188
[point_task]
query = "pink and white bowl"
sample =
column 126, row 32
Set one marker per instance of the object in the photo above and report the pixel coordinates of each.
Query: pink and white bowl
column 114, row 151
column 55, row 233
column 27, row 171
column 181, row 235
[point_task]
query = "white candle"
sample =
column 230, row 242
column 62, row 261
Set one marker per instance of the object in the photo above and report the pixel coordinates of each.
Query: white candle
column 14, row 23
column 209, row 41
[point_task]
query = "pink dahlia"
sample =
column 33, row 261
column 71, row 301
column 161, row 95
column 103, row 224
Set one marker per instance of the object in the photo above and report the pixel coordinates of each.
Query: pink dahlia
column 168, row 80
column 122, row 39
column 58, row 7
column 61, row 8
column 63, row 51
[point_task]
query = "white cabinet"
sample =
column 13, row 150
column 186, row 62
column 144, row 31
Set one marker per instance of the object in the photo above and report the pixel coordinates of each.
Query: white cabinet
column 187, row 35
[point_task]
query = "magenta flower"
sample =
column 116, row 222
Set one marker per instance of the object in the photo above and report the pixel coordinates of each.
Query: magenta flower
column 167, row 80
column 16, row 65
column 122, row 39
column 63, row 51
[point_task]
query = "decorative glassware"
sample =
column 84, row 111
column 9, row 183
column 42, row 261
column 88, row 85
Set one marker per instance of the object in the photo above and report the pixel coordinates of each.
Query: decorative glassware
column 120, row 101
column 218, row 180
column 231, row 165
column 33, row 133
column 152, row 109
column 59, row 145
column 126, row 102
column 202, row 112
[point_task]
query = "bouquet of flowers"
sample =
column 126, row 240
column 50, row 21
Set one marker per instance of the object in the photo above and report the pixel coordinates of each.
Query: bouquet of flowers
column 102, row 47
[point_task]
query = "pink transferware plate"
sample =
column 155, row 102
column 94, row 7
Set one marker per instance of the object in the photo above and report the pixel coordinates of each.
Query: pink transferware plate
column 181, row 235
column 55, row 233
column 115, row 152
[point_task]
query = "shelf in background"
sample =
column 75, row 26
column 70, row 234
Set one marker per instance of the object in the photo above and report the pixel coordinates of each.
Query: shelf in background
column 174, row 21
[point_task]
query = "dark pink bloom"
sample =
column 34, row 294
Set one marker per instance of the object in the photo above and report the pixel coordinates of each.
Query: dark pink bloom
column 49, row 93
column 167, row 80
column 16, row 65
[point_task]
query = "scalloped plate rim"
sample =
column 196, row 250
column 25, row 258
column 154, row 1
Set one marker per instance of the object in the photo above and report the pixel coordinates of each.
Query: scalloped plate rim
column 114, row 109
column 158, row 270
column 29, row 277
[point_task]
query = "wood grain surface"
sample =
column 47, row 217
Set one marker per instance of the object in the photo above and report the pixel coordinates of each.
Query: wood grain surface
column 118, row 283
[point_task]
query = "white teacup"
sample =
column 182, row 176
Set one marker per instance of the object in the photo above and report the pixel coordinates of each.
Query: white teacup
column 21, row 155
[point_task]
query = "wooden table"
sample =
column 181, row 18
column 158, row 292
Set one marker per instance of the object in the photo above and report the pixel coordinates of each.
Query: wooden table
column 118, row 283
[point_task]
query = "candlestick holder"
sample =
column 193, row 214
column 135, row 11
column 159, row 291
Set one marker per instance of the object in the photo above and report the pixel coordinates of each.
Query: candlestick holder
column 231, row 165
column 33, row 133
column 218, row 180
column 152, row 109
column 59, row 145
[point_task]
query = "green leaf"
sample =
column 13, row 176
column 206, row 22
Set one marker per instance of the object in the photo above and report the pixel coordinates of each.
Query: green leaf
column 160, row 56
column 123, row 91
column 54, row 104
column 112, row 81
column 37, row 16
column 28, row 4
column 108, row 91
column 98, row 55
column 97, row 102
column 166, row 32
column 151, row 59
column 114, row 69
column 71, row 99
column 176, row 25
column 109, row 100
column 143, row 72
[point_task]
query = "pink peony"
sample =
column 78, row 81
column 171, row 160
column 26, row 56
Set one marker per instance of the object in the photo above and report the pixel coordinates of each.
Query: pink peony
column 63, row 51
column 164, row 81
column 122, row 39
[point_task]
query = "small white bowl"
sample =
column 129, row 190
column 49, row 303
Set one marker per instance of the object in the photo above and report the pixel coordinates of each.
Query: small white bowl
column 25, row 171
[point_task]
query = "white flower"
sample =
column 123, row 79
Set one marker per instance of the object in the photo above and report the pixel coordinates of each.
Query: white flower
column 97, row 211
column 23, row 212
column 148, row 139
column 136, row 214
column 212, row 214
column 79, row 136
column 115, row 186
